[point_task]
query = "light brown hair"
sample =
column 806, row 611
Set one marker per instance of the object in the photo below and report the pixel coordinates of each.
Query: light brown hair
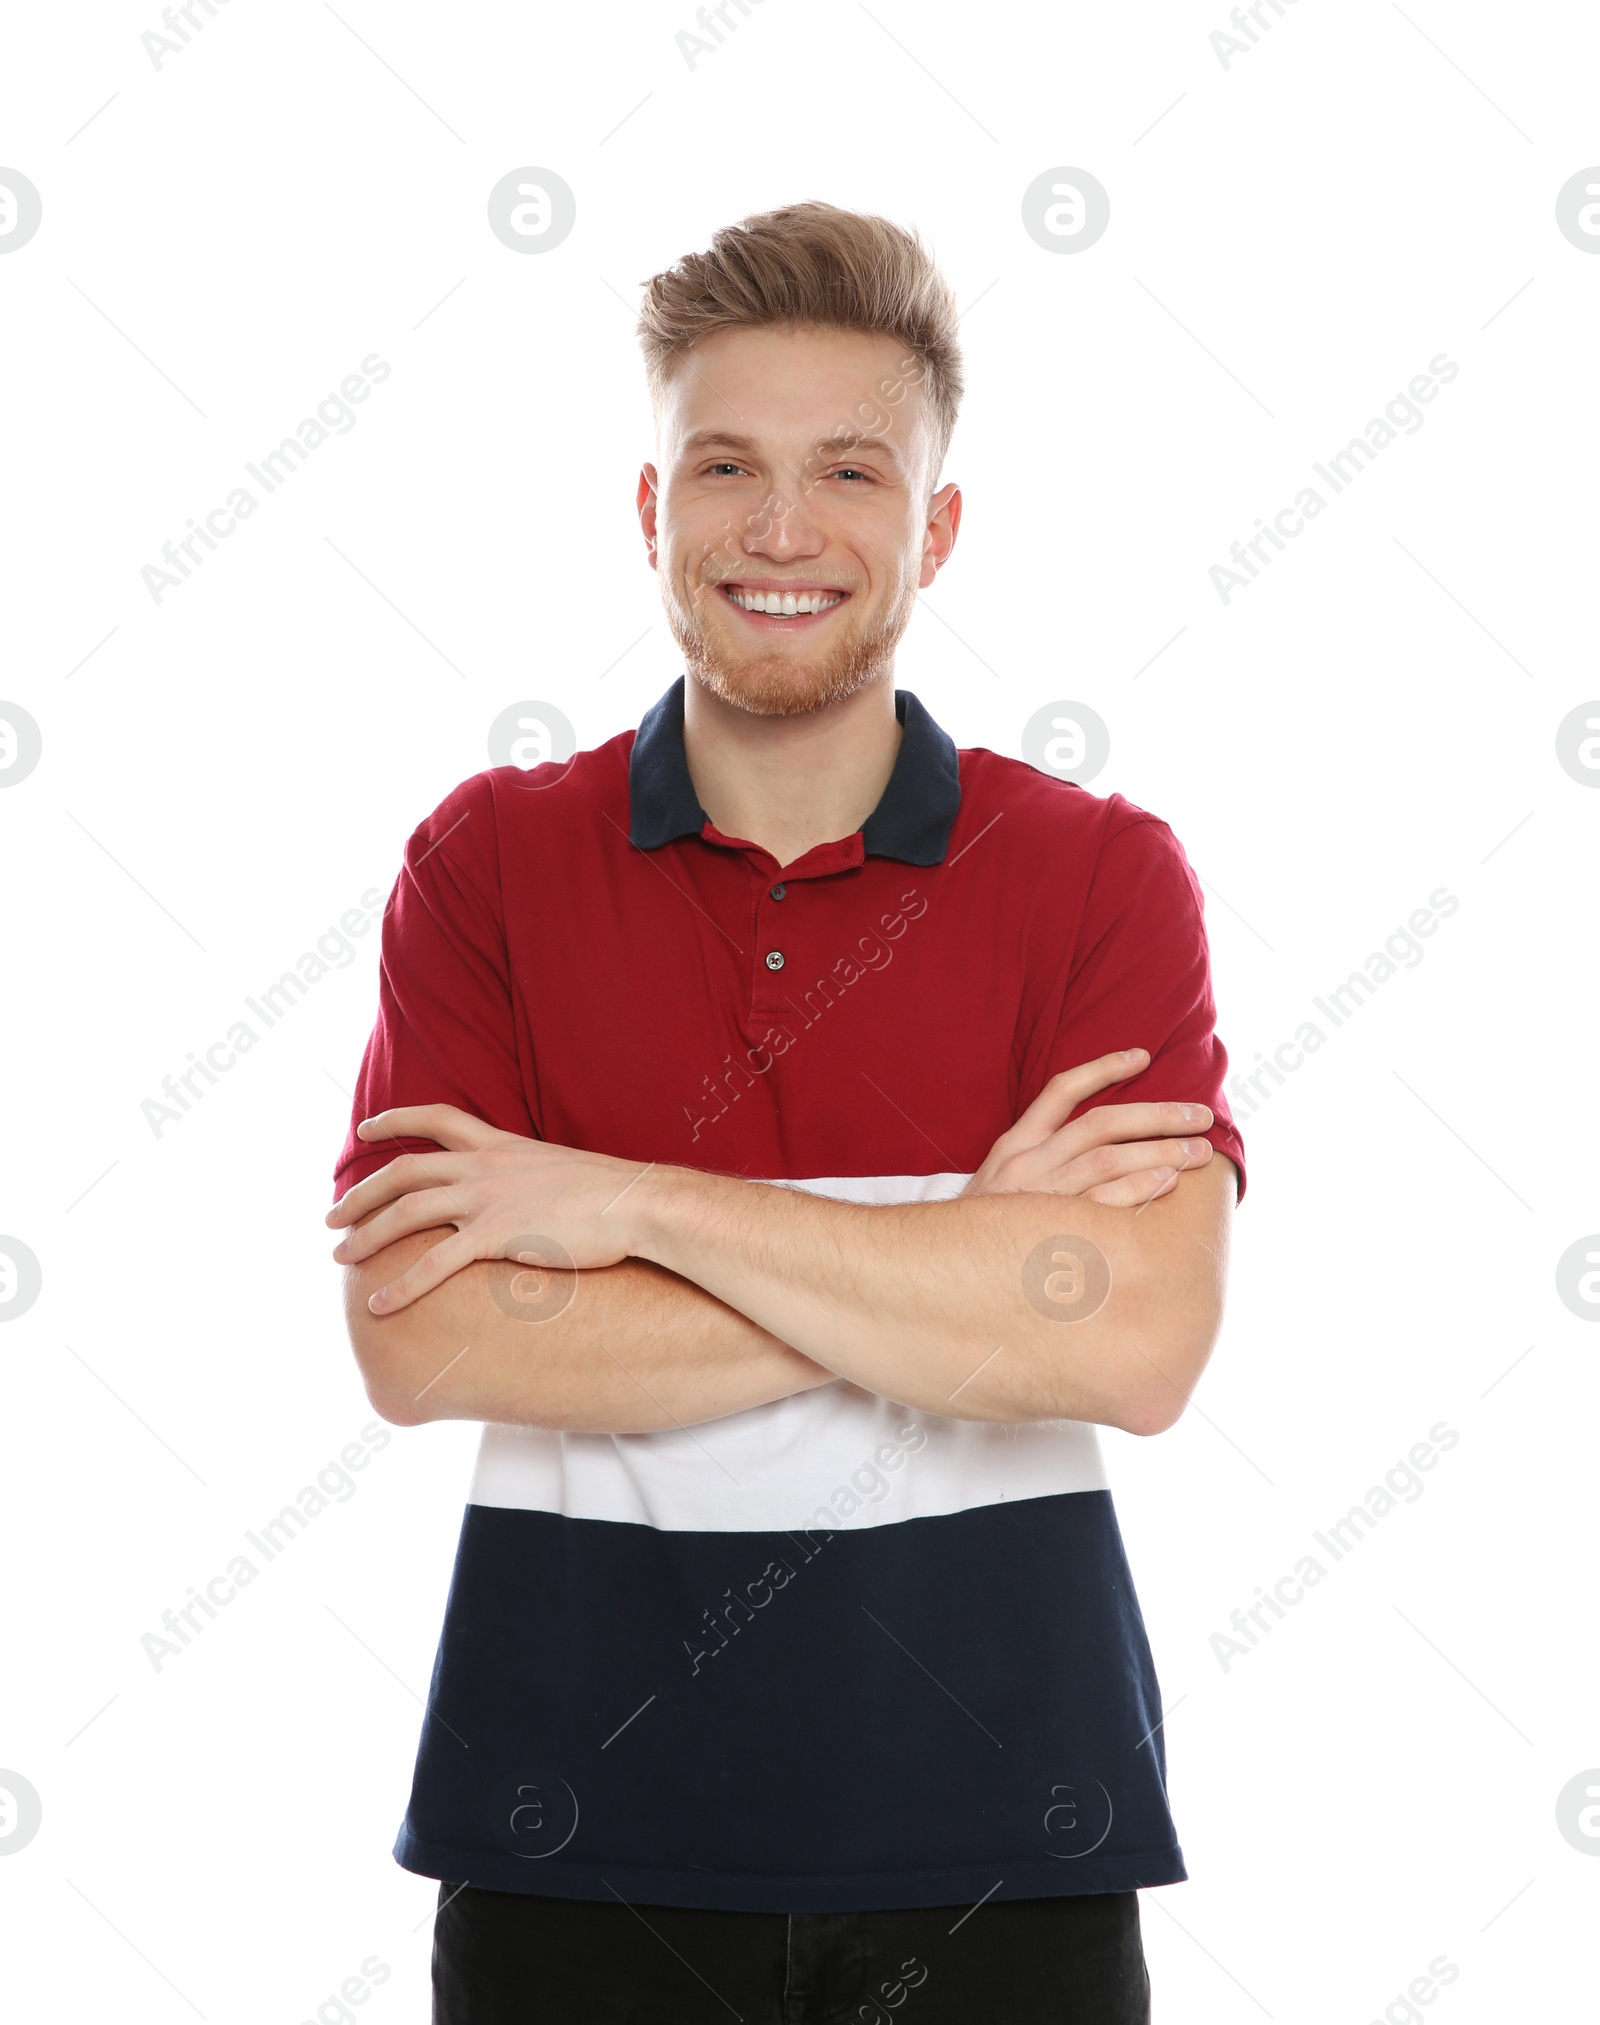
column 813, row 266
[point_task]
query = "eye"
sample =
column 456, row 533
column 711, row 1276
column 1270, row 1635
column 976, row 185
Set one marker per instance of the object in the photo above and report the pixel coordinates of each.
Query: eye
column 851, row 471
column 726, row 465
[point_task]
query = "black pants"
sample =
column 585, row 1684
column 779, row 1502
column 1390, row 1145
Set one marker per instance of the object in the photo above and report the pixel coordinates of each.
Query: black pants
column 509, row 1958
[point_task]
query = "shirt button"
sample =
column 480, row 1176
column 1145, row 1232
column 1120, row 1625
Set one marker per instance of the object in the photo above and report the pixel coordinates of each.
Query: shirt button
column 779, row 890
column 774, row 959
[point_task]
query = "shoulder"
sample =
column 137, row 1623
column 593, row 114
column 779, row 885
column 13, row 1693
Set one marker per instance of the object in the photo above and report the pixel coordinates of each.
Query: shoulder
column 504, row 812
column 1057, row 821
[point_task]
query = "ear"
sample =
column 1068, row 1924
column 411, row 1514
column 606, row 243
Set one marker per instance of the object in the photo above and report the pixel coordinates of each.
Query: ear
column 944, row 519
column 645, row 502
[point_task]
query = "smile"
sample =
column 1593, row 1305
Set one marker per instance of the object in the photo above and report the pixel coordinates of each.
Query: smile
column 783, row 604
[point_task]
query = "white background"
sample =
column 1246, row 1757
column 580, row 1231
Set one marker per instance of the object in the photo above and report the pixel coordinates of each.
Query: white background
column 1293, row 237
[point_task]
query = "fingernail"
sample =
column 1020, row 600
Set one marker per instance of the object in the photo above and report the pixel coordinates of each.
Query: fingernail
column 1193, row 1113
column 1132, row 1054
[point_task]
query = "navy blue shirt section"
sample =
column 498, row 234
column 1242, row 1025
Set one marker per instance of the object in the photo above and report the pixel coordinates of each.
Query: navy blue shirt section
column 913, row 1714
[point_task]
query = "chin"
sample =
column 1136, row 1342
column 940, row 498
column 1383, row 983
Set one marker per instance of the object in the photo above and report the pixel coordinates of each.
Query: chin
column 782, row 684
column 775, row 685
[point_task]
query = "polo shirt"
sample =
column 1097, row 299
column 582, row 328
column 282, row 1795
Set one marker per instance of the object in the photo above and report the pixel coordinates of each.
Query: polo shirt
column 832, row 1653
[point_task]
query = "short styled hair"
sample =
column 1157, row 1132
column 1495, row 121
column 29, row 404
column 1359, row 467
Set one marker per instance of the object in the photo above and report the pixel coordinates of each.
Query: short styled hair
column 812, row 266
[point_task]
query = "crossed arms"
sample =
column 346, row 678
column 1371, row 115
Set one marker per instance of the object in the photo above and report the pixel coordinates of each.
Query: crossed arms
column 698, row 1295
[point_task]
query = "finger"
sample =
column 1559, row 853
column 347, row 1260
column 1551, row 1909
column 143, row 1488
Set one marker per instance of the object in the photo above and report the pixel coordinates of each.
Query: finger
column 424, row 1210
column 409, row 1171
column 443, row 1123
column 1111, row 1163
column 1119, row 1123
column 1055, row 1102
column 424, row 1274
column 1101, row 1165
column 1133, row 1191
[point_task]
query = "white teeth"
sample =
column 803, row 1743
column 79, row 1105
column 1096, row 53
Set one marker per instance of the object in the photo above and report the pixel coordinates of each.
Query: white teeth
column 782, row 604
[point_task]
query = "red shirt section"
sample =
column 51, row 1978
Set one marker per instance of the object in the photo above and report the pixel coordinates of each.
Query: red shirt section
column 853, row 1013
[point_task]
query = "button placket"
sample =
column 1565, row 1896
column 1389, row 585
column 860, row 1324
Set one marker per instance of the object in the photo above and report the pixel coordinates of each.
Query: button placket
column 772, row 955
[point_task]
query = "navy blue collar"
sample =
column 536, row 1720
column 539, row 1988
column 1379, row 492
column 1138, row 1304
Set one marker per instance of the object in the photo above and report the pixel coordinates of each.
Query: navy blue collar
column 911, row 822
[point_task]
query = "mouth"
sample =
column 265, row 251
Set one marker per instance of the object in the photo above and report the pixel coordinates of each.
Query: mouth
column 782, row 607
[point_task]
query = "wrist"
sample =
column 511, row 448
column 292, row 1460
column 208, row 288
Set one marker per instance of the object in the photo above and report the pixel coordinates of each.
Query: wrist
column 662, row 1206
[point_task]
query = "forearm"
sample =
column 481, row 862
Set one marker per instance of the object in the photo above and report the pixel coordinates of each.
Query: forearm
column 944, row 1305
column 635, row 1348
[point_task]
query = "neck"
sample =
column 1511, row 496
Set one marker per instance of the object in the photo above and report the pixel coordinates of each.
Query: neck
column 791, row 783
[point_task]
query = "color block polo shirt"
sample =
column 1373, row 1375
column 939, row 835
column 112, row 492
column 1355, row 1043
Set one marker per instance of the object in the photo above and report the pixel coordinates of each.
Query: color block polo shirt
column 831, row 1653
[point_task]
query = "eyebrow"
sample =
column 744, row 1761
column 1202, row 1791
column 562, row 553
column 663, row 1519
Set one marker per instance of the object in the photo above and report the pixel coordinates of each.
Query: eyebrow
column 826, row 449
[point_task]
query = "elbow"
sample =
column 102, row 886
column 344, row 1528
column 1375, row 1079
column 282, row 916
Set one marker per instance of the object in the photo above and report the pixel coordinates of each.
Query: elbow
column 388, row 1382
column 391, row 1402
column 1169, row 1323
column 1149, row 1414
column 1157, row 1391
column 384, row 1355
column 398, row 1355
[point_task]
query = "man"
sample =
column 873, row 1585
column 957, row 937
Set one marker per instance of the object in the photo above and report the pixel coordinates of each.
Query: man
column 792, row 1667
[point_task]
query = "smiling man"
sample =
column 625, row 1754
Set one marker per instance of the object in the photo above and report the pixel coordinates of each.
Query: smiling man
column 722, row 1144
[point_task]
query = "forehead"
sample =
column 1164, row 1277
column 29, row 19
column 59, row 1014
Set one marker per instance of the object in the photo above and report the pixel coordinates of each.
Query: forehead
column 791, row 389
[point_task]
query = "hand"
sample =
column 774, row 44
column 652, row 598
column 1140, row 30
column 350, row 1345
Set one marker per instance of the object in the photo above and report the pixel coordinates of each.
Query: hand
column 1111, row 1154
column 495, row 1187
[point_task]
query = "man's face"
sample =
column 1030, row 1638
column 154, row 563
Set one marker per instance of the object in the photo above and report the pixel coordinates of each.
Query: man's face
column 794, row 477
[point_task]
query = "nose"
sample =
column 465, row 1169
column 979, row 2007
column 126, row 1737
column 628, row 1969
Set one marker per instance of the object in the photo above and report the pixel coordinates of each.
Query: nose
column 785, row 528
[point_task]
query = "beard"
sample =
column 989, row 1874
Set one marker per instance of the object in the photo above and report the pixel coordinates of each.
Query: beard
column 785, row 684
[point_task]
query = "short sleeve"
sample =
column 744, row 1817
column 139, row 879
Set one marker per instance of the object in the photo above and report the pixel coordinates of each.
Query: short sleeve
column 1140, row 977
column 446, row 1030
